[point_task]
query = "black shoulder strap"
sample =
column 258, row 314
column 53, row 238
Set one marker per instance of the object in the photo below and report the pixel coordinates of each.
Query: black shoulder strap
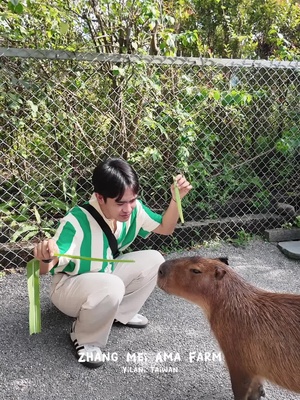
column 106, row 229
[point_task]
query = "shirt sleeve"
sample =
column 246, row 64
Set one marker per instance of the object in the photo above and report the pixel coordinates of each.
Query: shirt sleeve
column 64, row 238
column 149, row 220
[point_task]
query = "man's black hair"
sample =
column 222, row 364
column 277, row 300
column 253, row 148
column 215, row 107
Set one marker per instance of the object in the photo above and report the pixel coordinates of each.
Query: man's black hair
column 112, row 177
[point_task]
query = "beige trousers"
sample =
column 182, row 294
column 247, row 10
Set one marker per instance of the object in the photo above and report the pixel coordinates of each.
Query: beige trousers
column 96, row 299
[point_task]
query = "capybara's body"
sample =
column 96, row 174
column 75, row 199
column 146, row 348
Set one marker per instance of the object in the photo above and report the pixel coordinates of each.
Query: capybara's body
column 258, row 331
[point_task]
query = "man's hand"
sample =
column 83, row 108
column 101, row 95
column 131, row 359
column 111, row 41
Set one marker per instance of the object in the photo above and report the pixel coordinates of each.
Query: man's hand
column 44, row 252
column 184, row 186
column 171, row 215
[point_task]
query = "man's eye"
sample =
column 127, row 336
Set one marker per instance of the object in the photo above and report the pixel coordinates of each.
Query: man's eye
column 127, row 202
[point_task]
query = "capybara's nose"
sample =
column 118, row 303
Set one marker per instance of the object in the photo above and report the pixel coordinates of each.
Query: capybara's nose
column 163, row 269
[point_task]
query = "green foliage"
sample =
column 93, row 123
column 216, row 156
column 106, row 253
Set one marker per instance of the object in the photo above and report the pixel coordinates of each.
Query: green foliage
column 241, row 239
column 34, row 218
column 210, row 28
column 247, row 29
column 290, row 140
column 213, row 124
column 293, row 224
column 173, row 245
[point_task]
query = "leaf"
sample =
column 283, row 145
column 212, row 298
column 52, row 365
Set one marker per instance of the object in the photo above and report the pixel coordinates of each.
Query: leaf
column 58, row 205
column 33, row 285
column 37, row 215
column 151, row 25
column 21, row 231
column 116, row 71
column 4, row 208
column 178, row 200
column 34, row 108
column 216, row 95
column 29, row 236
column 48, row 234
column 15, row 6
column 19, row 218
column 19, row 9
column 63, row 28
column 90, row 258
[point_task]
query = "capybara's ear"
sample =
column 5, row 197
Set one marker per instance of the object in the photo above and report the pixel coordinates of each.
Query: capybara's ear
column 219, row 273
column 223, row 260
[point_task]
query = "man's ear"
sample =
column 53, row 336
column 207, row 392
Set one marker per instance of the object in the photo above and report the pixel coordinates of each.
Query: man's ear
column 100, row 198
column 223, row 260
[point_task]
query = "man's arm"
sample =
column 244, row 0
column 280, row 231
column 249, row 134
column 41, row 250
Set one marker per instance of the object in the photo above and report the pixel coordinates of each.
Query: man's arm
column 171, row 215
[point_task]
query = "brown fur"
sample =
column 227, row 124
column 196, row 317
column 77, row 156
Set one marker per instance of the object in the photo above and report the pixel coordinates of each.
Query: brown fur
column 258, row 331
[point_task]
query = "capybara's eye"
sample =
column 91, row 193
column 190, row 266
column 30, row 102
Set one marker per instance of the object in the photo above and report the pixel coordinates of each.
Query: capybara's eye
column 196, row 271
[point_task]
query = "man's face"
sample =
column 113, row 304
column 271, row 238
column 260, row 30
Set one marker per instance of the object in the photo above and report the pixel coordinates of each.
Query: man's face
column 118, row 210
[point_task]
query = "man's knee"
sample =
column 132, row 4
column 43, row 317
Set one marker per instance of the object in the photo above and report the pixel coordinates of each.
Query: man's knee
column 110, row 293
column 154, row 257
column 153, row 260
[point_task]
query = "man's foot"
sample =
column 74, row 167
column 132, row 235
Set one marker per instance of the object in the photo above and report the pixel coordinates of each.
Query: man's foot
column 87, row 354
column 138, row 321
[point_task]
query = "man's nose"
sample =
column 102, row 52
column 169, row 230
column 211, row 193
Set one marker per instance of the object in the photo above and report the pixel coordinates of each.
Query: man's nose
column 127, row 207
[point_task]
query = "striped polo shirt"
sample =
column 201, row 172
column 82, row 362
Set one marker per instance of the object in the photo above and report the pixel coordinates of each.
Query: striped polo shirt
column 79, row 234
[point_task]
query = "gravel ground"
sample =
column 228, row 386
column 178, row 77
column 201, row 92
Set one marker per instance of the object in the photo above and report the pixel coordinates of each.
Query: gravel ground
column 44, row 367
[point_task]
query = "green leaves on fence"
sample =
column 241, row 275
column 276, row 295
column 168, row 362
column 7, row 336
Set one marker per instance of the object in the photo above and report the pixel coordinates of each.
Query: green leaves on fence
column 178, row 200
column 15, row 6
column 33, row 284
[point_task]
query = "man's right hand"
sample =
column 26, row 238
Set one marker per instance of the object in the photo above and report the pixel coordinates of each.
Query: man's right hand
column 44, row 252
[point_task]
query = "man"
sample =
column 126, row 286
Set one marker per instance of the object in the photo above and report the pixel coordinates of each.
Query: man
column 99, row 293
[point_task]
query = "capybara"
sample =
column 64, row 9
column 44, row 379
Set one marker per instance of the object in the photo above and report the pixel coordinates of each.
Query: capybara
column 258, row 331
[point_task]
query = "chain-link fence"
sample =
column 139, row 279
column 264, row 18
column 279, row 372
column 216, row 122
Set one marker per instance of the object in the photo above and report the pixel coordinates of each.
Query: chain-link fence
column 232, row 126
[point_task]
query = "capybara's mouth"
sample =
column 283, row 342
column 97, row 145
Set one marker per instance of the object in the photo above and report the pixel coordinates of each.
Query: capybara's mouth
column 161, row 283
column 161, row 279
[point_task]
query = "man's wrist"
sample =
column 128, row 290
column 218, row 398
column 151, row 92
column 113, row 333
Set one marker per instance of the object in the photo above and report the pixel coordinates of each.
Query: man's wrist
column 174, row 200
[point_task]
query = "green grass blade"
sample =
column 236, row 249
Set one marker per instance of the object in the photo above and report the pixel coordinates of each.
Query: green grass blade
column 90, row 258
column 33, row 284
column 178, row 200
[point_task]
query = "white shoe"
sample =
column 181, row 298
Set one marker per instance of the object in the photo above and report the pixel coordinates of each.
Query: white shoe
column 88, row 355
column 138, row 321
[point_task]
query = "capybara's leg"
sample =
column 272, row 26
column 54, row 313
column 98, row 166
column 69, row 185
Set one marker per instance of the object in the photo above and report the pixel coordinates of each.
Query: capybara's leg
column 256, row 391
column 240, row 382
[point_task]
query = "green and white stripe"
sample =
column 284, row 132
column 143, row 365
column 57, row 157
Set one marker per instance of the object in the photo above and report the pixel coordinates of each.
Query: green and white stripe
column 80, row 234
